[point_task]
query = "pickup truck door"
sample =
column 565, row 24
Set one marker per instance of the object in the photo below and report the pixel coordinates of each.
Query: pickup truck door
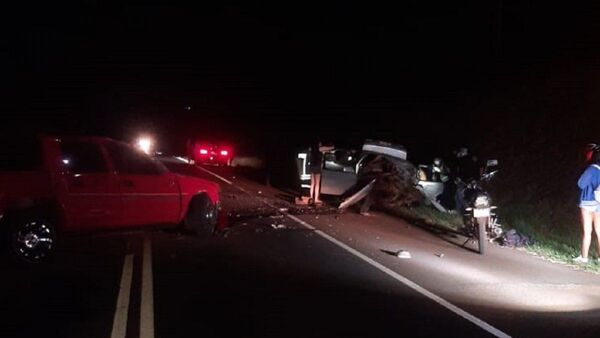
column 91, row 198
column 149, row 192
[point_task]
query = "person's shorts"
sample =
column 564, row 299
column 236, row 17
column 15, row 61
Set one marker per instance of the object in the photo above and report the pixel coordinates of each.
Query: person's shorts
column 315, row 170
column 592, row 206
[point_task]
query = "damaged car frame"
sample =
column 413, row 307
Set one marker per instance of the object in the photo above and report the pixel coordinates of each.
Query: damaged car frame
column 347, row 172
column 351, row 176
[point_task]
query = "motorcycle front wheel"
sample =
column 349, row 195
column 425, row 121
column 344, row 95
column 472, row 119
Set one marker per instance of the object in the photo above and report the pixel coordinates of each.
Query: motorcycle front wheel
column 482, row 223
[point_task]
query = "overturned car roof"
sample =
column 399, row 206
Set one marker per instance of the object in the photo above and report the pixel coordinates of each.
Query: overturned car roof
column 385, row 148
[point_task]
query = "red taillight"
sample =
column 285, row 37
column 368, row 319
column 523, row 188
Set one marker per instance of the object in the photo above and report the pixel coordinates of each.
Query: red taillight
column 224, row 153
column 203, row 151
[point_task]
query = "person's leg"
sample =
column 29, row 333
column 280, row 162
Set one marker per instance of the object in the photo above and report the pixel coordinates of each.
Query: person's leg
column 313, row 182
column 586, row 218
column 318, row 188
column 597, row 230
column 459, row 197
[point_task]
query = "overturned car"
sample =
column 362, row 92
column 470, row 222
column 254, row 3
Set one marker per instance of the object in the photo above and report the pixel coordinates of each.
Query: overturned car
column 380, row 169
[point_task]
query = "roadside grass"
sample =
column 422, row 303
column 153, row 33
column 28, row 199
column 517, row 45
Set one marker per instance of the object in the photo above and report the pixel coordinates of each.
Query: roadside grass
column 430, row 216
column 555, row 241
column 556, row 236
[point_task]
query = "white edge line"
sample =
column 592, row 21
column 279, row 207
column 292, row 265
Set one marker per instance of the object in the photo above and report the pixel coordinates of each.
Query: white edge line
column 482, row 324
column 119, row 328
column 217, row 176
column 441, row 301
column 147, row 306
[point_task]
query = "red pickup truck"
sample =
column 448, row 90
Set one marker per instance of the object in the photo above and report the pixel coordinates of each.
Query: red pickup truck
column 91, row 183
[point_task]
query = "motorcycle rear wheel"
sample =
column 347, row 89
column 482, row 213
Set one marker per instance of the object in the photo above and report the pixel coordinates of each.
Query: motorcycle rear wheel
column 482, row 223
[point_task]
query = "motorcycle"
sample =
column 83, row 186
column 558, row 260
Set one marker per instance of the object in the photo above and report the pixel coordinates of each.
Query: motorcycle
column 480, row 221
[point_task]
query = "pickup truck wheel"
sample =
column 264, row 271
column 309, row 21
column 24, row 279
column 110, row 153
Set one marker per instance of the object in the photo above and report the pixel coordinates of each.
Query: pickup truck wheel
column 201, row 216
column 31, row 240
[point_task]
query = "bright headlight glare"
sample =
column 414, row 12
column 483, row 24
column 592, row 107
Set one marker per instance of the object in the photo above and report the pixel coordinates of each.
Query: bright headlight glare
column 482, row 201
column 145, row 144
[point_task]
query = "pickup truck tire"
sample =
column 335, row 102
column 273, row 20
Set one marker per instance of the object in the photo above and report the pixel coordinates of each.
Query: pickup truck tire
column 201, row 216
column 31, row 239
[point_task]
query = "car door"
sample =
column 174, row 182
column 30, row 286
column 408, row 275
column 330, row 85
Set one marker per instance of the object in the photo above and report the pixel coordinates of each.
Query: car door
column 92, row 198
column 149, row 192
column 338, row 174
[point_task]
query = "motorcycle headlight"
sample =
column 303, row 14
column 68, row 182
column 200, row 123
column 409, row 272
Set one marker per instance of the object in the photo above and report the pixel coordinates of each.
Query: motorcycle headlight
column 482, row 202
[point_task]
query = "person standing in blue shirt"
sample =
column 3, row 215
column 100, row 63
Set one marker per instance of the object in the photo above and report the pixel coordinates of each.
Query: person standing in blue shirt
column 590, row 207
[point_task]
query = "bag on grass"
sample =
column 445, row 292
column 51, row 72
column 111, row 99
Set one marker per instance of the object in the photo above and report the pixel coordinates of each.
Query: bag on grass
column 513, row 238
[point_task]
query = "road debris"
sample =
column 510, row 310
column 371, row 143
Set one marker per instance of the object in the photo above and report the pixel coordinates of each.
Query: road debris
column 403, row 254
column 304, row 200
column 278, row 226
column 439, row 254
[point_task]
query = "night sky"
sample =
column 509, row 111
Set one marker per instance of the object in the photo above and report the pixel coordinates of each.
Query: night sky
column 421, row 73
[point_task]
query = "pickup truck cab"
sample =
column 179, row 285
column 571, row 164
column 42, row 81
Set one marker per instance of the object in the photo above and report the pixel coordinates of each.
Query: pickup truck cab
column 93, row 183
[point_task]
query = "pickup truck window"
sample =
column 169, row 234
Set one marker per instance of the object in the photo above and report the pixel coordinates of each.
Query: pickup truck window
column 82, row 157
column 132, row 162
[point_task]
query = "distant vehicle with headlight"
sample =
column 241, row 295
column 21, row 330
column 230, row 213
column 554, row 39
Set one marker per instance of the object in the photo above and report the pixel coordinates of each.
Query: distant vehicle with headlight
column 479, row 218
column 208, row 152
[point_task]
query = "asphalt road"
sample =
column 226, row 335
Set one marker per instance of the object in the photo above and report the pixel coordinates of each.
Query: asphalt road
column 280, row 271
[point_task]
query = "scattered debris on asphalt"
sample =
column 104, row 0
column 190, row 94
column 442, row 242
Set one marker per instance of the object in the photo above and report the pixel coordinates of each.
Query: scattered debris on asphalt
column 304, row 200
column 278, row 226
column 440, row 255
column 403, row 254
